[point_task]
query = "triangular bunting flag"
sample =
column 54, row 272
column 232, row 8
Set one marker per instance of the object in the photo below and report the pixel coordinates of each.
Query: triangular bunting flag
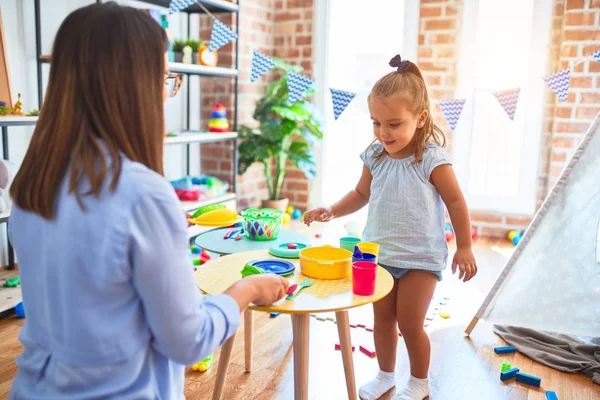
column 178, row 5
column 297, row 85
column 261, row 64
column 220, row 36
column 452, row 110
column 559, row 83
column 596, row 55
column 341, row 100
column 508, row 100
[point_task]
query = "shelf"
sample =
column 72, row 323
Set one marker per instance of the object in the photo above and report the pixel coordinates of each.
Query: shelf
column 213, row 6
column 189, row 69
column 15, row 120
column 194, row 205
column 195, row 69
column 200, row 137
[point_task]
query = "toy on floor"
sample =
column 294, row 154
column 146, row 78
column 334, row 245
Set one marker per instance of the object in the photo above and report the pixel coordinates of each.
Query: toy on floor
column 506, row 366
column 515, row 237
column 218, row 119
column 339, row 347
column 12, row 282
column 509, row 374
column 368, row 350
column 529, row 379
column 286, row 218
column 20, row 310
column 444, row 314
column 296, row 214
column 204, row 365
column 504, row 350
column 551, row 395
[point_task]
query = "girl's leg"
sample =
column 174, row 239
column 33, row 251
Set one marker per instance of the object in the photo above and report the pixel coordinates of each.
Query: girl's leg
column 414, row 294
column 385, row 334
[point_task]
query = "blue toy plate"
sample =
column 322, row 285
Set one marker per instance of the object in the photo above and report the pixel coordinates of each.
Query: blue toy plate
column 274, row 266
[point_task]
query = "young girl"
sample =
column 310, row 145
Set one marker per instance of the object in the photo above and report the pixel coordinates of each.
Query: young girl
column 113, row 311
column 406, row 179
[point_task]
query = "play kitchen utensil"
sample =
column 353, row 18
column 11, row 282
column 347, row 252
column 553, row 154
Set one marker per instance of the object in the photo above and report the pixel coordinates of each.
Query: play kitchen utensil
column 292, row 289
column 304, row 284
column 326, row 262
column 348, row 243
column 371, row 248
column 263, row 224
column 273, row 266
column 287, row 250
column 360, row 256
column 364, row 276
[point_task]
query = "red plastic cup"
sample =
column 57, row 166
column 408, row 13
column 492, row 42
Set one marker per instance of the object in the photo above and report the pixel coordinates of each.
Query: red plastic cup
column 364, row 275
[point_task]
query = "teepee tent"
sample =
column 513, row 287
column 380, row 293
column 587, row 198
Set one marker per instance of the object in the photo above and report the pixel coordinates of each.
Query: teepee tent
column 552, row 280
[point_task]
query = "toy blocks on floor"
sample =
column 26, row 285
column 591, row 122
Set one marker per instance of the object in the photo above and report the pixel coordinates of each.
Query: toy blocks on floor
column 368, row 350
column 444, row 315
column 506, row 366
column 504, row 350
column 551, row 395
column 339, row 347
column 509, row 374
column 274, row 314
column 529, row 379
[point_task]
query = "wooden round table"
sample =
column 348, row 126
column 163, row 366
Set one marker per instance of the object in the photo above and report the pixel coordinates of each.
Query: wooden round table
column 217, row 275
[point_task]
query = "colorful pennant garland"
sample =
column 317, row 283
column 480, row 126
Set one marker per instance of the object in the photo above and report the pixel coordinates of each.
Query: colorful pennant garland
column 297, row 85
column 261, row 64
column 341, row 99
column 452, row 110
column 220, row 36
column 596, row 55
column 508, row 99
column 559, row 83
column 178, row 5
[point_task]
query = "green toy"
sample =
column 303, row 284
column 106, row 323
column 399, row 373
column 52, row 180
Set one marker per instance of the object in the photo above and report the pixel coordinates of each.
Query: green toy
column 506, row 366
column 205, row 209
column 12, row 282
column 204, row 365
column 251, row 270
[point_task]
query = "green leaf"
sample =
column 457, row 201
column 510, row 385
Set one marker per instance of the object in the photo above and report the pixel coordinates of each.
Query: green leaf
column 302, row 157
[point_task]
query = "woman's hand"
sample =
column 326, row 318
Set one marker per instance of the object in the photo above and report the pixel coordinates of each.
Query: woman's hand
column 465, row 261
column 318, row 214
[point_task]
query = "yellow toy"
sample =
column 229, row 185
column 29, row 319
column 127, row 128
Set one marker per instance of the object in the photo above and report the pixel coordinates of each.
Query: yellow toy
column 18, row 107
column 204, row 365
column 286, row 218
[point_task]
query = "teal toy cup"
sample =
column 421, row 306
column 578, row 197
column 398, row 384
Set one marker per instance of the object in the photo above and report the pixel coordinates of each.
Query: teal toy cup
column 348, row 243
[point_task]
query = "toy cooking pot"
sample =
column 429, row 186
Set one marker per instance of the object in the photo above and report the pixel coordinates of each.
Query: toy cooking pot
column 326, row 262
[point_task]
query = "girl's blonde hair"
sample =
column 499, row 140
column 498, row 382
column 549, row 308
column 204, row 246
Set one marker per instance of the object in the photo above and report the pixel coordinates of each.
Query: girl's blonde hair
column 409, row 79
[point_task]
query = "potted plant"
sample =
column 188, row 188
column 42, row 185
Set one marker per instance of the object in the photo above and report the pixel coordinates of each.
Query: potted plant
column 178, row 45
column 195, row 45
column 284, row 136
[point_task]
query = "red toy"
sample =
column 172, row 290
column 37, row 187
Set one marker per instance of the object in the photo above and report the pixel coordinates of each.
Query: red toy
column 187, row 195
column 338, row 347
column 367, row 350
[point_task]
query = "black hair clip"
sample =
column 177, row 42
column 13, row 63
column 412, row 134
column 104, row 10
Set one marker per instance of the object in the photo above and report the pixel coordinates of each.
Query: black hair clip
column 397, row 62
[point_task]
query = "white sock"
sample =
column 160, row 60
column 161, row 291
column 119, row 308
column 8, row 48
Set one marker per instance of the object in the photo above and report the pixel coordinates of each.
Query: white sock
column 415, row 389
column 374, row 389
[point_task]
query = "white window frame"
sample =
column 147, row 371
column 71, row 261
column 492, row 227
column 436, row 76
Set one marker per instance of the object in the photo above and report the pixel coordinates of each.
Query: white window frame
column 531, row 99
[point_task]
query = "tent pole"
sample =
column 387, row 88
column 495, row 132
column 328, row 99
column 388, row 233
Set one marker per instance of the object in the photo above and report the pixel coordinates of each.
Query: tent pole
column 471, row 325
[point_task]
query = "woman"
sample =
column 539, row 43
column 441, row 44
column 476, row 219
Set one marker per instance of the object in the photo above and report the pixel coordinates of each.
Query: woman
column 112, row 308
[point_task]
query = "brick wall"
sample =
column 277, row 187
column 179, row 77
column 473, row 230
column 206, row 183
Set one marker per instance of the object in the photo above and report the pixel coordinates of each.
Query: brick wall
column 575, row 33
column 281, row 28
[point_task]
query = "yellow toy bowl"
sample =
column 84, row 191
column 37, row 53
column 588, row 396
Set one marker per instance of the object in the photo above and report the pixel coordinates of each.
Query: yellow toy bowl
column 326, row 262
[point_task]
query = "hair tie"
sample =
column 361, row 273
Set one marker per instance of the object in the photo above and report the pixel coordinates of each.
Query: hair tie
column 397, row 62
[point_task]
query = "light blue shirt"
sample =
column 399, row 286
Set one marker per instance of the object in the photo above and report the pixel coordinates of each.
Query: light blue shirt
column 406, row 212
column 112, row 308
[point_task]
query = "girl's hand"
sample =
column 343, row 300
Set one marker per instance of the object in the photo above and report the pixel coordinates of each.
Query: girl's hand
column 465, row 261
column 318, row 214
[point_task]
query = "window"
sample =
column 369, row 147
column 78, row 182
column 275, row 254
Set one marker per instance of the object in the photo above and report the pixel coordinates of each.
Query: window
column 504, row 46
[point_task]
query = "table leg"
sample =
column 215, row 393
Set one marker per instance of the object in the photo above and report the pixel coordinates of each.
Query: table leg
column 301, row 328
column 222, row 366
column 343, row 325
column 248, row 331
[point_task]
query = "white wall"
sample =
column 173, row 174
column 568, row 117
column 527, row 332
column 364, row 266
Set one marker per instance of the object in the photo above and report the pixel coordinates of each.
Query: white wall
column 19, row 28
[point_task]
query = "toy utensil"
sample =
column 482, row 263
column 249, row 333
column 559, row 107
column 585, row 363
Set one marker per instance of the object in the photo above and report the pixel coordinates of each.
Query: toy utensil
column 304, row 284
column 292, row 288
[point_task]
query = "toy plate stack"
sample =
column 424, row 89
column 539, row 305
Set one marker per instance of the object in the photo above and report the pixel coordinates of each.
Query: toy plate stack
column 218, row 119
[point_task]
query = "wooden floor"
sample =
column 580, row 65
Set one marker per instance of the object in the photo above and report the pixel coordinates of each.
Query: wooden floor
column 461, row 368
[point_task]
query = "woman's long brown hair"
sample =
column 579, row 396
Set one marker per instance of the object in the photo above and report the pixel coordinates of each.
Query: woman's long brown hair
column 105, row 89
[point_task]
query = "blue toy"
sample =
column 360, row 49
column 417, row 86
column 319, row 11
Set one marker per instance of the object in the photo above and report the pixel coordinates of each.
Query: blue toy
column 509, row 374
column 20, row 310
column 296, row 214
column 195, row 249
column 448, row 228
column 529, row 379
column 551, row 395
column 274, row 314
column 504, row 350
column 517, row 238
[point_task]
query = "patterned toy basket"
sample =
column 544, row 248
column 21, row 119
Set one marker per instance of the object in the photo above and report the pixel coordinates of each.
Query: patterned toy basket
column 263, row 224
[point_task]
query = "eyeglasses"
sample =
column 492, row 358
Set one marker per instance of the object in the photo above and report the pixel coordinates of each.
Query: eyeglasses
column 173, row 83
